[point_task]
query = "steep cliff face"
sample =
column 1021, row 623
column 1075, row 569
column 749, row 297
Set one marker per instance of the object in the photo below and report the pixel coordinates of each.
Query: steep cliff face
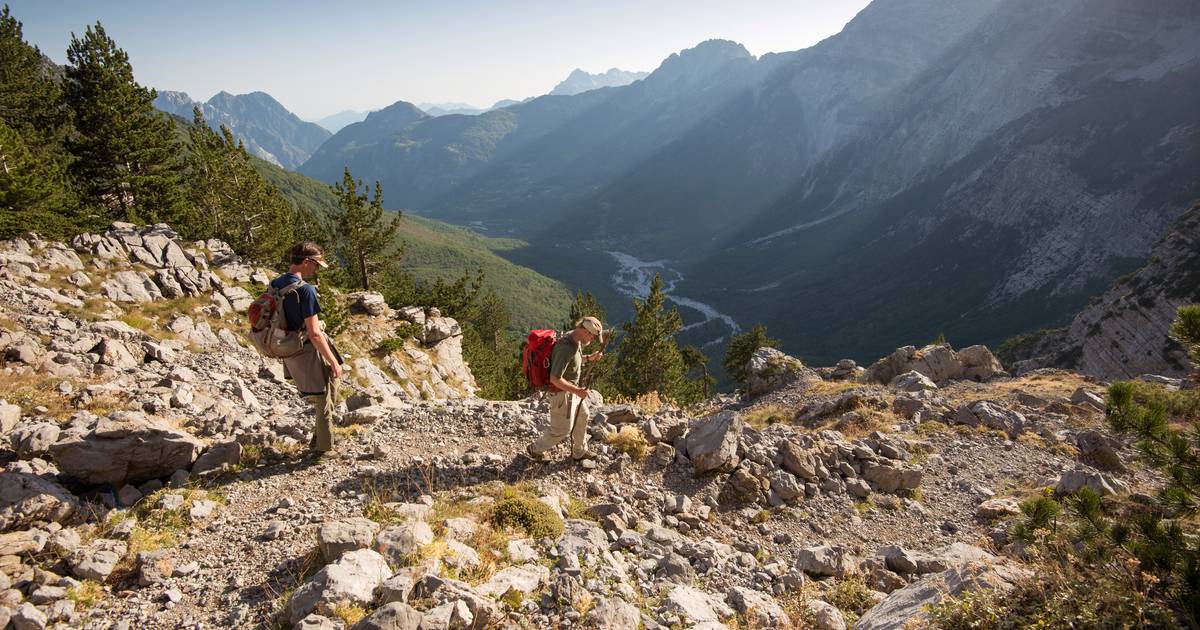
column 1123, row 333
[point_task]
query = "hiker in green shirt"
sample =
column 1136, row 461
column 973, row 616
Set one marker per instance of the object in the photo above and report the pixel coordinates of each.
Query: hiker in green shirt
column 568, row 404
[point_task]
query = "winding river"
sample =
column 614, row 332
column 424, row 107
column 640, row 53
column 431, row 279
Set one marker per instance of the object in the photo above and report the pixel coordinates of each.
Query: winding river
column 633, row 277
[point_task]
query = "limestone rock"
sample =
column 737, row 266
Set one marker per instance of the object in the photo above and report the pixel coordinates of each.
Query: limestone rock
column 612, row 613
column 126, row 447
column 979, row 364
column 398, row 542
column 523, row 579
column 130, row 287
column 337, row 537
column 757, row 605
column 1071, row 481
column 34, row 440
column 998, row 508
column 892, row 476
column 996, row 416
column 1100, row 449
column 769, row 369
column 98, row 560
column 696, row 606
column 26, row 498
column 825, row 560
column 908, row 605
column 825, row 615
column 217, row 457
column 798, row 461
column 912, row 381
column 352, row 579
column 712, row 442
column 391, row 616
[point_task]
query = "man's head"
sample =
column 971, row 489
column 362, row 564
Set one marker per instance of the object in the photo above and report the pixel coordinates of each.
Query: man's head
column 306, row 257
column 588, row 329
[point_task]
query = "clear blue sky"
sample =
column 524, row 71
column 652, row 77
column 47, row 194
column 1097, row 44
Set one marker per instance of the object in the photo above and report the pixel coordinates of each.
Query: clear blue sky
column 318, row 58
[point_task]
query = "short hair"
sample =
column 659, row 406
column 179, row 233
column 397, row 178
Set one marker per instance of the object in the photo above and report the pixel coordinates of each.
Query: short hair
column 304, row 250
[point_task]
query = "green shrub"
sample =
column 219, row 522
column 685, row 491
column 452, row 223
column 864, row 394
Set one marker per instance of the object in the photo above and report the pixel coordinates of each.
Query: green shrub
column 528, row 514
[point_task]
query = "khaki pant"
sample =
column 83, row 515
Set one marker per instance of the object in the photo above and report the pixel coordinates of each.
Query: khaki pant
column 323, row 407
column 568, row 416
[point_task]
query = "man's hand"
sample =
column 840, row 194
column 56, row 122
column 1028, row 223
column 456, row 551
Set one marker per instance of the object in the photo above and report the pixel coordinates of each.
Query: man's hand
column 335, row 370
column 595, row 356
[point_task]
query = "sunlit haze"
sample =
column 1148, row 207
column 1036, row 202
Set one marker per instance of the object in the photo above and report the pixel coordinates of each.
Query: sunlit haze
column 318, row 58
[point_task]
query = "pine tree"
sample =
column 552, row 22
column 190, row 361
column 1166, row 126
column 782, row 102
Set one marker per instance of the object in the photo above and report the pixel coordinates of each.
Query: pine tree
column 742, row 347
column 1186, row 330
column 31, row 98
column 585, row 305
column 34, row 190
column 649, row 360
column 127, row 158
column 28, row 190
column 696, row 361
column 233, row 202
column 366, row 241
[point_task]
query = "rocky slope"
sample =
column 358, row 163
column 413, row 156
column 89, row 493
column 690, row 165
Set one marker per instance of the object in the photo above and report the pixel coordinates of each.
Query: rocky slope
column 1123, row 333
column 269, row 130
column 151, row 475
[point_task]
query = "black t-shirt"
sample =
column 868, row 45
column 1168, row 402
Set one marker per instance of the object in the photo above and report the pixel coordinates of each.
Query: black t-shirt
column 298, row 305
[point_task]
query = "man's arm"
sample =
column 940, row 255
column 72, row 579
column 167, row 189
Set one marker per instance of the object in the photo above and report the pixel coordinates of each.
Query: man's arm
column 313, row 327
column 568, row 386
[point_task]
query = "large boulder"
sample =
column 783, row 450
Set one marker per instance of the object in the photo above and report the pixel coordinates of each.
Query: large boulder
column 768, row 369
column 351, row 580
column 996, row 416
column 799, row 461
column 126, row 448
column 938, row 362
column 979, row 364
column 892, row 476
column 26, row 498
column 130, row 287
column 337, row 537
column 695, row 606
column 908, row 607
column 825, row 560
column 712, row 442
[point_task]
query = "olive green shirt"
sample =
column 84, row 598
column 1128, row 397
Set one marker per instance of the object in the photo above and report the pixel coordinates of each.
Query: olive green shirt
column 566, row 359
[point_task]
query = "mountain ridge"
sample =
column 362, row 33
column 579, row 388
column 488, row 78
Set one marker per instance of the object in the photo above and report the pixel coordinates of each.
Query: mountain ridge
column 269, row 130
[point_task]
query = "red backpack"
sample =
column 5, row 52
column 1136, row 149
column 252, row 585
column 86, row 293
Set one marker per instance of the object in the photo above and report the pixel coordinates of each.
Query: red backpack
column 535, row 359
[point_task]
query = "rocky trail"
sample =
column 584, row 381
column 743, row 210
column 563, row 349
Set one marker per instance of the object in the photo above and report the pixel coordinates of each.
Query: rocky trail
column 154, row 474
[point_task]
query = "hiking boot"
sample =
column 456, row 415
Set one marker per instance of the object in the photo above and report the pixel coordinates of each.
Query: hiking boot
column 585, row 455
column 537, row 457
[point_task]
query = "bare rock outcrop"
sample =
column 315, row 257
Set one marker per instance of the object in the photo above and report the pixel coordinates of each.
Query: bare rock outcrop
column 1124, row 332
column 126, row 448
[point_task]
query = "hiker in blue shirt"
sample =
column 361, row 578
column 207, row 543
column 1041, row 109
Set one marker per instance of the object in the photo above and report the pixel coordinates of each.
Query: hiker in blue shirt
column 316, row 369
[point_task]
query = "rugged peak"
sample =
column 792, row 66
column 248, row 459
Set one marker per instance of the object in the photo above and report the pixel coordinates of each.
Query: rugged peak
column 710, row 54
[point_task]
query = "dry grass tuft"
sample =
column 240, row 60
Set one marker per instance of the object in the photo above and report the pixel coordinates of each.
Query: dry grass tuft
column 629, row 439
column 762, row 417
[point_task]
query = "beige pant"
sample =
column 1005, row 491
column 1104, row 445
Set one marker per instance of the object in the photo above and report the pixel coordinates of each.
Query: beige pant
column 568, row 416
column 324, row 407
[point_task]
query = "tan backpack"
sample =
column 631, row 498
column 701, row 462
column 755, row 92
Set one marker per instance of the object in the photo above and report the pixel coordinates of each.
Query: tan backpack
column 268, row 326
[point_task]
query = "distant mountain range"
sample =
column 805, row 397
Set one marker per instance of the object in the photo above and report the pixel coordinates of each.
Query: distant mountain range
column 335, row 122
column 580, row 81
column 269, row 130
column 977, row 169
